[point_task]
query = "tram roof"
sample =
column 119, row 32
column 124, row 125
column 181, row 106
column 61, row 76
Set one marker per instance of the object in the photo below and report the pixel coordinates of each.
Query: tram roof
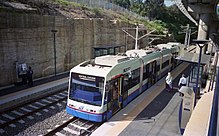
column 169, row 45
column 140, row 53
column 193, row 58
column 110, row 60
column 91, row 70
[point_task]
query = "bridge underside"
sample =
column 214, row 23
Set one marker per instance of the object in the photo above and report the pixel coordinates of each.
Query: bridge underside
column 203, row 13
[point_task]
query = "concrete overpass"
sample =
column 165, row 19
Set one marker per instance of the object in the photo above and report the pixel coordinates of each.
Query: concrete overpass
column 202, row 13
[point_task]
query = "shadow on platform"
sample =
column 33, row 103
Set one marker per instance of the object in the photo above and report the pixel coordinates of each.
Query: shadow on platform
column 156, row 106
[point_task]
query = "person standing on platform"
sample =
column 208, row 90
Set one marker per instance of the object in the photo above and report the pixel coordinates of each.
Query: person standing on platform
column 169, row 82
column 30, row 77
column 204, row 77
column 182, row 81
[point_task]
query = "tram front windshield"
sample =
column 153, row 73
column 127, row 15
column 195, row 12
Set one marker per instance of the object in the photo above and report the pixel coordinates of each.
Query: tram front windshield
column 87, row 89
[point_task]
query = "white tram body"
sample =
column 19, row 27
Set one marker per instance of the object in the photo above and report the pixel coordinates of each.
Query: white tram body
column 99, row 88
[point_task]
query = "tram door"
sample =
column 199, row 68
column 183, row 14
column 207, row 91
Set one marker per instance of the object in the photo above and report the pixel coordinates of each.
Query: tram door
column 115, row 93
column 152, row 70
column 173, row 61
column 154, row 67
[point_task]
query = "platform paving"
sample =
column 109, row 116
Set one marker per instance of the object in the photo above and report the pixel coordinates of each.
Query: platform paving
column 161, row 116
column 163, row 124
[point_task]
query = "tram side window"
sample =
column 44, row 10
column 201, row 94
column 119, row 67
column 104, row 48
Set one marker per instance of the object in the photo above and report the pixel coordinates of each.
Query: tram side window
column 166, row 63
column 146, row 71
column 97, row 53
column 135, row 77
column 107, row 96
column 117, row 50
column 172, row 59
column 105, row 52
column 150, row 68
column 157, row 68
column 111, row 90
column 114, row 89
column 130, row 82
column 111, row 51
column 126, row 82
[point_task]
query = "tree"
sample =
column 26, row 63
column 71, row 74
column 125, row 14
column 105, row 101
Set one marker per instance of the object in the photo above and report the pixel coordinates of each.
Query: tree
column 148, row 8
column 153, row 8
column 123, row 3
column 170, row 17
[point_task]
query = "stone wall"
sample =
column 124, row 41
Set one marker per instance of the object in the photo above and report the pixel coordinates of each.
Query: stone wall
column 27, row 38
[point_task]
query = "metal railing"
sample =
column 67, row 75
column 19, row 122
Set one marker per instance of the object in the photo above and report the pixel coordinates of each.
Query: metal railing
column 213, row 126
column 107, row 6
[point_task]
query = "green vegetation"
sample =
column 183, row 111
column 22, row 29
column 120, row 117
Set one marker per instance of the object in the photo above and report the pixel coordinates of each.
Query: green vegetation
column 170, row 18
column 97, row 11
column 162, row 19
column 159, row 26
column 173, row 20
column 66, row 3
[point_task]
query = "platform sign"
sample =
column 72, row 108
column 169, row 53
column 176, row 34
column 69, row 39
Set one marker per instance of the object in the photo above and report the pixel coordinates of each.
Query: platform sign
column 186, row 106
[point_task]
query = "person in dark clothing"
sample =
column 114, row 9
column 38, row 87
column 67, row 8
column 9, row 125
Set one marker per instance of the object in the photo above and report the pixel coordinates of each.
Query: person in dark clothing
column 204, row 78
column 24, row 78
column 30, row 77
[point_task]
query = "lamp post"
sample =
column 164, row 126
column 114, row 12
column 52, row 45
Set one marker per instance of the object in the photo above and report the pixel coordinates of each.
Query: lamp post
column 201, row 44
column 54, row 31
column 54, row 47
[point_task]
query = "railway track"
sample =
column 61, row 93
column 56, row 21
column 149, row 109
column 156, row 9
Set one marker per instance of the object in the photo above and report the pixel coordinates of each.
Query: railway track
column 21, row 114
column 73, row 126
column 17, row 114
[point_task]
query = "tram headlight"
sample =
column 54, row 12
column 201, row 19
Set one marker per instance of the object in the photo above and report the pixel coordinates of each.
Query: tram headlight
column 71, row 106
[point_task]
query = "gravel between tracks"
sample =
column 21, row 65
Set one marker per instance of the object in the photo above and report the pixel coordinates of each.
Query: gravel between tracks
column 40, row 123
column 41, row 127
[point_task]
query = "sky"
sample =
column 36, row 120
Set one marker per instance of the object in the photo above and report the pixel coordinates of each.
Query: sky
column 168, row 3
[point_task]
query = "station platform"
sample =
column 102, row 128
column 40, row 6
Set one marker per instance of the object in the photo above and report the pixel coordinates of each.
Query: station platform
column 154, row 113
column 15, row 95
column 19, row 87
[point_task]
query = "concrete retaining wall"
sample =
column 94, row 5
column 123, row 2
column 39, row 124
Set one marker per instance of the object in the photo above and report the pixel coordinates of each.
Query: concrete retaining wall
column 27, row 38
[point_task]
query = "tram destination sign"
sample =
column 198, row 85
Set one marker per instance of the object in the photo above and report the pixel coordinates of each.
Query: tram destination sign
column 85, row 77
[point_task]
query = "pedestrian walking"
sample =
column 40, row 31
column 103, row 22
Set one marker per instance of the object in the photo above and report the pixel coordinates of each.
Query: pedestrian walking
column 169, row 82
column 30, row 77
column 182, row 81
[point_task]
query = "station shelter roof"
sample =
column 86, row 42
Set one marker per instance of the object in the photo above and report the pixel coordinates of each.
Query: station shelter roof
column 194, row 57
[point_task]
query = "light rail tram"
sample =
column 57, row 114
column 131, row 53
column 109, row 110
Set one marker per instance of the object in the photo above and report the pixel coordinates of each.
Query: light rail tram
column 100, row 87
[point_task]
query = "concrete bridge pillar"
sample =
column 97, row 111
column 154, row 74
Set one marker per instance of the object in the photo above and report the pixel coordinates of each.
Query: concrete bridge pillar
column 212, row 36
column 203, row 29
